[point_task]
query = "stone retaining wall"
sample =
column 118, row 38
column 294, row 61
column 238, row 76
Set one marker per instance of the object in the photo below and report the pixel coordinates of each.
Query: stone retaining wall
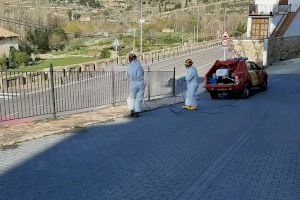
column 283, row 48
column 253, row 49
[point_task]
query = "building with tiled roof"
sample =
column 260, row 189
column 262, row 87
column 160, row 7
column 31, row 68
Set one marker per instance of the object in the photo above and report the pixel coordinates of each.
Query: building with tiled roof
column 8, row 40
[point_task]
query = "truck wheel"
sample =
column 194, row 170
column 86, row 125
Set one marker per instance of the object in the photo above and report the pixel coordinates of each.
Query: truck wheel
column 246, row 92
column 264, row 85
column 213, row 95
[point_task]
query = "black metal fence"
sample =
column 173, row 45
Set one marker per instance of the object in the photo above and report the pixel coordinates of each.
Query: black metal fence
column 31, row 94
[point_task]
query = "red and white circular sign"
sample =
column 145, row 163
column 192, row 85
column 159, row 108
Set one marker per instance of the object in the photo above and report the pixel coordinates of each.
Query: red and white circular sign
column 225, row 43
column 225, row 39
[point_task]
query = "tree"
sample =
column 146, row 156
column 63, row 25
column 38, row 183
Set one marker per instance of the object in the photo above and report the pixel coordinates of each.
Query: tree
column 105, row 53
column 38, row 40
column 3, row 63
column 58, row 39
column 240, row 30
column 70, row 15
column 21, row 58
column 169, row 39
column 77, row 16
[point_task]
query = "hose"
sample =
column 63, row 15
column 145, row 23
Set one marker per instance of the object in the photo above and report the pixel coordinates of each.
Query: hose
column 177, row 110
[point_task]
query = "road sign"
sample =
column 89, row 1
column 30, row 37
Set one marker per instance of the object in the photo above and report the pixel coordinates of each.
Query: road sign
column 225, row 39
column 225, row 36
column 142, row 20
column 116, row 42
column 225, row 43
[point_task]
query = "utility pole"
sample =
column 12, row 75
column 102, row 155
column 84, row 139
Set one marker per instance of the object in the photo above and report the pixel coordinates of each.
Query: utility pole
column 198, row 18
column 194, row 34
column 181, row 36
column 224, row 48
column 224, row 18
column 133, row 39
column 141, row 21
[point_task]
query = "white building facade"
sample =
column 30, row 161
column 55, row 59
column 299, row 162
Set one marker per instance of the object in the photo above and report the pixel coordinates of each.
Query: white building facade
column 266, row 16
column 7, row 41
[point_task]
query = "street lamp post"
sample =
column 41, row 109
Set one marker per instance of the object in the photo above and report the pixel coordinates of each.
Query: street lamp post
column 141, row 21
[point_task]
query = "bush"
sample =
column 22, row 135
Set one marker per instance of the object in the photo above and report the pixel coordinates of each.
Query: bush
column 38, row 40
column 21, row 58
column 77, row 44
column 58, row 39
column 241, row 30
column 105, row 53
column 3, row 62
column 169, row 39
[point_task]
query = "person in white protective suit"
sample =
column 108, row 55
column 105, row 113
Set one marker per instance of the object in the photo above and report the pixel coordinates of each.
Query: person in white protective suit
column 192, row 80
column 135, row 75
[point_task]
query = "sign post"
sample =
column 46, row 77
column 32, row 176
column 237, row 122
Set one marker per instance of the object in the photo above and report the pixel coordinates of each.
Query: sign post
column 116, row 44
column 225, row 42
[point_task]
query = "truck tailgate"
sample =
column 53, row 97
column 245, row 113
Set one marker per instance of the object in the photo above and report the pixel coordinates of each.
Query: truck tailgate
column 220, row 87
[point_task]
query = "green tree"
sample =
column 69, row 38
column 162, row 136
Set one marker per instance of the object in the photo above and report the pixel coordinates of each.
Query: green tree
column 12, row 58
column 169, row 39
column 76, row 44
column 3, row 63
column 77, row 16
column 38, row 40
column 105, row 53
column 58, row 39
column 70, row 15
column 240, row 30
column 21, row 58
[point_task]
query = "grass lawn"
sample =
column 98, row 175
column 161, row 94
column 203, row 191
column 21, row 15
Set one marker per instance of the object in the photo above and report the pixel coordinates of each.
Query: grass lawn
column 56, row 63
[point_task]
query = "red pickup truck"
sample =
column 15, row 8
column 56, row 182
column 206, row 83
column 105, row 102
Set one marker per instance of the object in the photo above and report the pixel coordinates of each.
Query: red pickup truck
column 235, row 76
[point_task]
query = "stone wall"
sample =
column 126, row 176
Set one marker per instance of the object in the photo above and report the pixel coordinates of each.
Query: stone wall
column 283, row 48
column 253, row 49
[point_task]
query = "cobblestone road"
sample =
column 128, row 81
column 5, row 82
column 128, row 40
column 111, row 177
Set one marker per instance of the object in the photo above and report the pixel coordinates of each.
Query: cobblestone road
column 227, row 150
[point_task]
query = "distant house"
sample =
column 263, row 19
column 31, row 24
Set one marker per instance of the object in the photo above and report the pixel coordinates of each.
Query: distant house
column 273, row 18
column 168, row 30
column 85, row 19
column 130, row 32
column 7, row 40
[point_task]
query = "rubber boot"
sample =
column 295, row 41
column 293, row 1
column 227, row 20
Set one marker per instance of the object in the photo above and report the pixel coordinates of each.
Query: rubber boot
column 193, row 108
column 131, row 113
column 186, row 107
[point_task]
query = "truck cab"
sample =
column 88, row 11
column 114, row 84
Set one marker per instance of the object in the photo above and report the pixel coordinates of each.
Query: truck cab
column 237, row 76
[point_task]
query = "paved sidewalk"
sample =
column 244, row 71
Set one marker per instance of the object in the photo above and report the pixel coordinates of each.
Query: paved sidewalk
column 25, row 129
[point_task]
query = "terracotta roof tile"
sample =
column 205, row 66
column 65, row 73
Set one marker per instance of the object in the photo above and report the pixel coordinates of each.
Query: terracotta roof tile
column 7, row 34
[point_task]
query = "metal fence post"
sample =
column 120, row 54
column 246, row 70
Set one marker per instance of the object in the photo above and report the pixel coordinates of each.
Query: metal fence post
column 174, row 82
column 52, row 90
column 149, row 94
column 113, row 88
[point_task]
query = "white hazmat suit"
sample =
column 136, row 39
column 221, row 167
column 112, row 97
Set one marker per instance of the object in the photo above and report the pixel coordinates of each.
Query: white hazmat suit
column 135, row 75
column 192, row 80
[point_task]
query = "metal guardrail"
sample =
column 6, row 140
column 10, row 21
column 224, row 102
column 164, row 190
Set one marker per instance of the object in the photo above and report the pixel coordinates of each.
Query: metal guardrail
column 57, row 92
column 272, row 9
column 83, row 86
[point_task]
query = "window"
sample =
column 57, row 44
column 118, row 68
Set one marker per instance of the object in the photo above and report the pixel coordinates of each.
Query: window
column 260, row 28
column 252, row 66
